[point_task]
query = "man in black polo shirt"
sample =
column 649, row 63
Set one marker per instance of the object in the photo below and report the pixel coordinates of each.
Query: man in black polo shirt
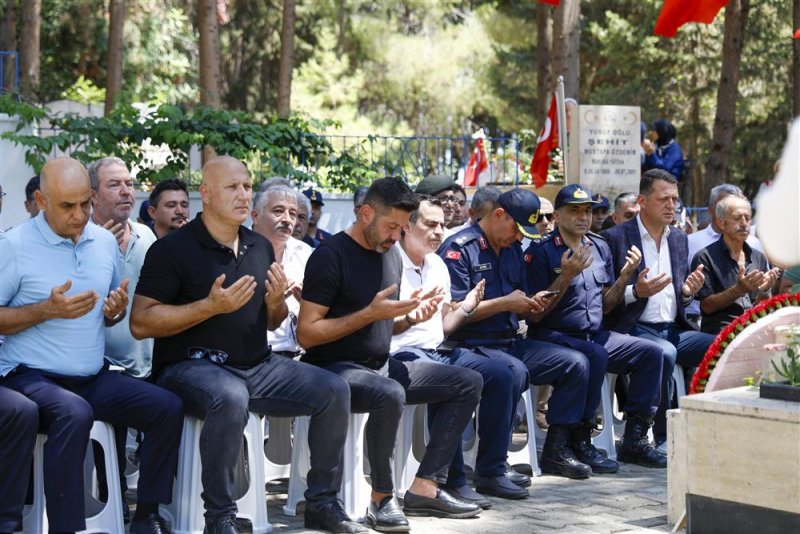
column 347, row 316
column 208, row 292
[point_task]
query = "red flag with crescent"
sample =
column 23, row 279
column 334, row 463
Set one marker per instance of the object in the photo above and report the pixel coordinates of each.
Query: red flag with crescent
column 548, row 141
column 477, row 164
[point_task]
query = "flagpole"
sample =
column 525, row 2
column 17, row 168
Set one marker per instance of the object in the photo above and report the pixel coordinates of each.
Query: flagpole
column 561, row 112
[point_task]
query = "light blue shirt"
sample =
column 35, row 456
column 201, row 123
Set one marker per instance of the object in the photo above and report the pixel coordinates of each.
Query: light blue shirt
column 34, row 260
column 135, row 355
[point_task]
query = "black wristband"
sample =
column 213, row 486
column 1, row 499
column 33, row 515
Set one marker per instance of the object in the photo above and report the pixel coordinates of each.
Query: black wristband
column 635, row 294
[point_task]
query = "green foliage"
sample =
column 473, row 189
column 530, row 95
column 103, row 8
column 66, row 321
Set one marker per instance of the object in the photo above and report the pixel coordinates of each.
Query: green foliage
column 789, row 368
column 273, row 146
column 85, row 92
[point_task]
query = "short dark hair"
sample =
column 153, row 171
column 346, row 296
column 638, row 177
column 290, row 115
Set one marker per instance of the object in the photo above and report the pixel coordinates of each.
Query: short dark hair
column 624, row 197
column 359, row 195
column 34, row 184
column 171, row 184
column 458, row 189
column 424, row 198
column 391, row 192
column 487, row 193
column 649, row 177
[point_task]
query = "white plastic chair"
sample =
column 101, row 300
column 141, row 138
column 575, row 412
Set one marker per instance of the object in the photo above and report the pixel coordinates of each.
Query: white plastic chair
column 186, row 511
column 100, row 517
column 355, row 491
column 277, row 447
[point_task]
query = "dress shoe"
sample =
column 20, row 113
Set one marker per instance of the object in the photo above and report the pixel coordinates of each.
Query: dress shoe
column 581, row 443
column 331, row 517
column 152, row 524
column 387, row 517
column 224, row 525
column 557, row 456
column 636, row 448
column 520, row 479
column 500, row 486
column 443, row 505
column 465, row 493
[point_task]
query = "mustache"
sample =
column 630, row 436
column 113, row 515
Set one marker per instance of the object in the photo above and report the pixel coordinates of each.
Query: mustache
column 285, row 226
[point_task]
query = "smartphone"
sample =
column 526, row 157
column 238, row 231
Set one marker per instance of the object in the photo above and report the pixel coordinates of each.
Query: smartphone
column 550, row 294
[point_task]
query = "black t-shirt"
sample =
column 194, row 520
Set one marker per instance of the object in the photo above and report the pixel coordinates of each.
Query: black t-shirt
column 344, row 277
column 181, row 267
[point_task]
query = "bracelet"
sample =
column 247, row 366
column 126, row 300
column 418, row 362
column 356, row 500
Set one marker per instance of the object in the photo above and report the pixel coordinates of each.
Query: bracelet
column 635, row 294
column 118, row 316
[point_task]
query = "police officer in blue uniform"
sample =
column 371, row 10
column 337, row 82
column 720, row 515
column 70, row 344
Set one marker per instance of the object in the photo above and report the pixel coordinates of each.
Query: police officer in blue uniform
column 317, row 202
column 490, row 251
column 577, row 265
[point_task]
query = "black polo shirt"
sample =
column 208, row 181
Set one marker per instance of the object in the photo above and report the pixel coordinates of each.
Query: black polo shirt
column 181, row 267
column 344, row 277
column 721, row 272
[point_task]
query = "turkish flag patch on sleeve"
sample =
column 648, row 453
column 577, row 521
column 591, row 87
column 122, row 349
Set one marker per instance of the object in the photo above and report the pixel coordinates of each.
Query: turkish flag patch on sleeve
column 453, row 255
column 528, row 258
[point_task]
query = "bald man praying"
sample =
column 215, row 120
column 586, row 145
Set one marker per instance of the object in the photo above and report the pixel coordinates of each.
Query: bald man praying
column 60, row 286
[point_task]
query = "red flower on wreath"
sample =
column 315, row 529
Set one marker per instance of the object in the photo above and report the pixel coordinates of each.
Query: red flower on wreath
column 729, row 333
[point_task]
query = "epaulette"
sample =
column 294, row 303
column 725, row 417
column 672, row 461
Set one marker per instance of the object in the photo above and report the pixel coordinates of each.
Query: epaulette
column 462, row 240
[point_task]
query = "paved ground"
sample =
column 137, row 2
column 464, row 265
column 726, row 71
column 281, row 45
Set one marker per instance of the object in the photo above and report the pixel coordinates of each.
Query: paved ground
column 632, row 500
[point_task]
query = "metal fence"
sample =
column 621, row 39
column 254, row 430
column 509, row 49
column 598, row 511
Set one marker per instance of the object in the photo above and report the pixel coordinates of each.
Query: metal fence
column 5, row 57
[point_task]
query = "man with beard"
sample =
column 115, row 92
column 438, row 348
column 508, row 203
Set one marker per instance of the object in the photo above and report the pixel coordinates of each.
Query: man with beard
column 347, row 316
column 737, row 276
column 503, row 380
column 169, row 206
column 274, row 215
column 208, row 293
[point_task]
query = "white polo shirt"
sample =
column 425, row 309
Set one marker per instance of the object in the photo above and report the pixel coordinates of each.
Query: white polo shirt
column 428, row 334
column 284, row 338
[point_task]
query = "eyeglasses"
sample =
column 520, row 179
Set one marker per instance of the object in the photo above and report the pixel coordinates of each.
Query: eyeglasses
column 451, row 198
column 215, row 356
column 548, row 216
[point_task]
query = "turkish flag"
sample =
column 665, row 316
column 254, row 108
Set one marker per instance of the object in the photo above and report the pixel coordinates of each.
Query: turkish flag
column 797, row 34
column 477, row 164
column 676, row 13
column 551, row 2
column 548, row 141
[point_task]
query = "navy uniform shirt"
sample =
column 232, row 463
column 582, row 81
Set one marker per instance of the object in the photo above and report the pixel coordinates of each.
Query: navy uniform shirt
column 470, row 259
column 580, row 310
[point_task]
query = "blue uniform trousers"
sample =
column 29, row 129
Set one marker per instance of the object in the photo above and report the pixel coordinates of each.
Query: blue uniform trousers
column 615, row 353
column 548, row 364
column 504, row 380
column 67, row 408
column 685, row 347
column 19, row 420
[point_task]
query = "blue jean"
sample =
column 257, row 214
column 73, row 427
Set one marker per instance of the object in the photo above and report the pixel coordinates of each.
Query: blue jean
column 19, row 420
column 222, row 396
column 685, row 347
column 615, row 353
column 67, row 408
column 505, row 378
column 452, row 394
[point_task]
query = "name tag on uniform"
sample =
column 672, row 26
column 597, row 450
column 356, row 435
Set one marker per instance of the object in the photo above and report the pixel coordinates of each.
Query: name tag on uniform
column 483, row 267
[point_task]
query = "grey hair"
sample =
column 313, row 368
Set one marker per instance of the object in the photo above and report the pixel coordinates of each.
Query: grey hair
column 273, row 181
column 627, row 198
column 276, row 188
column 721, row 190
column 727, row 203
column 94, row 169
column 483, row 195
column 304, row 200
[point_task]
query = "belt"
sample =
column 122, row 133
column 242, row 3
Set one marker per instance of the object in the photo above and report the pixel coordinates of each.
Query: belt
column 472, row 334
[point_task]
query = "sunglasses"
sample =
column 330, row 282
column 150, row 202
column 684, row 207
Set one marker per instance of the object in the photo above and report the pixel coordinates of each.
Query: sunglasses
column 547, row 216
column 451, row 198
column 215, row 356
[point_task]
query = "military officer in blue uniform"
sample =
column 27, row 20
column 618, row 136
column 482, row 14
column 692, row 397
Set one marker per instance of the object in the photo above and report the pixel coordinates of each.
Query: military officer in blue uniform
column 315, row 197
column 490, row 251
column 576, row 265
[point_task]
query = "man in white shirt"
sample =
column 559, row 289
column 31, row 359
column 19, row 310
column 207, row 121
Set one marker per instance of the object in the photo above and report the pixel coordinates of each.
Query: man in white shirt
column 274, row 216
column 657, row 294
column 504, row 378
column 711, row 233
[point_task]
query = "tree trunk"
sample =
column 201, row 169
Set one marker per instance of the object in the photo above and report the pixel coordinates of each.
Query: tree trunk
column 342, row 25
column 29, row 49
column 287, row 60
column 566, row 46
column 725, row 120
column 8, row 41
column 210, row 78
column 796, row 60
column 116, row 26
column 544, row 56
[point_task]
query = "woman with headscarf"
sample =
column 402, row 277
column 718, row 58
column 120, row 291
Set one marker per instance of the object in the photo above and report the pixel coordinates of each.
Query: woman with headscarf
column 662, row 151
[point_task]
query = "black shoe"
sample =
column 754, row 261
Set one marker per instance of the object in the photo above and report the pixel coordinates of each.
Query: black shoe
column 388, row 517
column 465, row 493
column 558, row 458
column 500, row 486
column 225, row 525
column 520, row 479
column 635, row 448
column 443, row 505
column 331, row 517
column 581, row 442
column 152, row 524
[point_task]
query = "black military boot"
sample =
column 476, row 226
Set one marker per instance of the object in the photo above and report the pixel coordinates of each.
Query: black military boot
column 635, row 448
column 558, row 458
column 581, row 443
